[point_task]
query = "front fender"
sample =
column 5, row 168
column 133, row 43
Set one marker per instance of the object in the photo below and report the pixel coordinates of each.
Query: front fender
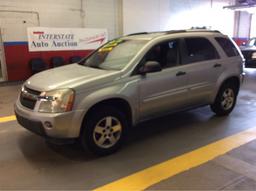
column 125, row 91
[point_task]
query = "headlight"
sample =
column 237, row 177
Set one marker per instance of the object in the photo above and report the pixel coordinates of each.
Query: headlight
column 56, row 101
column 254, row 55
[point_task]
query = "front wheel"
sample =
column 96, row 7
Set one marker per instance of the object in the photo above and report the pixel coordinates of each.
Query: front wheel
column 225, row 100
column 103, row 131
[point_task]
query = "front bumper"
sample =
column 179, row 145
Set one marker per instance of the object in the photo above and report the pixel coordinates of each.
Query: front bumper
column 33, row 126
column 62, row 125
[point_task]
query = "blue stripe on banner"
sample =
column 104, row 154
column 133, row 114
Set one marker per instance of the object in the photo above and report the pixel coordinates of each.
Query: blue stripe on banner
column 15, row 43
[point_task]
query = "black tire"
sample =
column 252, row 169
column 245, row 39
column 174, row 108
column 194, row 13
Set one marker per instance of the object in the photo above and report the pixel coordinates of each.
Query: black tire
column 97, row 119
column 219, row 107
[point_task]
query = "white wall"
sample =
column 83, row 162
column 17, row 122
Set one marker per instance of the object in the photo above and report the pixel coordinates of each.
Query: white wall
column 245, row 21
column 70, row 13
column 253, row 26
column 102, row 14
column 17, row 15
column 138, row 15
column 52, row 13
column 155, row 15
column 13, row 25
column 144, row 15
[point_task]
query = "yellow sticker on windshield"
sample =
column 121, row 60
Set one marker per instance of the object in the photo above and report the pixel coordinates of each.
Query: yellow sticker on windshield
column 105, row 49
column 112, row 44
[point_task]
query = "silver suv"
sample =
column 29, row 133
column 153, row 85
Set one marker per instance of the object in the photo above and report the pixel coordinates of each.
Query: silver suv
column 129, row 80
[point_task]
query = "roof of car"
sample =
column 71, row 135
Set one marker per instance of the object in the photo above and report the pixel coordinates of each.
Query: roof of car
column 151, row 35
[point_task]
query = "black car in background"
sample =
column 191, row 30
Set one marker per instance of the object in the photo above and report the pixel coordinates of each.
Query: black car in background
column 249, row 52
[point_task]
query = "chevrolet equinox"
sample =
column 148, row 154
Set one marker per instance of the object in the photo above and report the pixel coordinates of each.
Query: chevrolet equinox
column 129, row 80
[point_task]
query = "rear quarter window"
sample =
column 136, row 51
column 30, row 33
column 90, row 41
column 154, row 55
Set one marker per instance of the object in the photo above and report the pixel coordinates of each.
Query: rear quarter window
column 227, row 46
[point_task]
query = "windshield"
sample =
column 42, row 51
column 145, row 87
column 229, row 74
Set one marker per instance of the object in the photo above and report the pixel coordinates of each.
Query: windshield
column 114, row 55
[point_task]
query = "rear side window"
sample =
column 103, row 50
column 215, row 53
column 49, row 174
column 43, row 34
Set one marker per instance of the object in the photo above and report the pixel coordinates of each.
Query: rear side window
column 199, row 49
column 227, row 46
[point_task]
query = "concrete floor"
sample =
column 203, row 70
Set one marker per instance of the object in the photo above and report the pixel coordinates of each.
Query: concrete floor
column 28, row 162
column 235, row 170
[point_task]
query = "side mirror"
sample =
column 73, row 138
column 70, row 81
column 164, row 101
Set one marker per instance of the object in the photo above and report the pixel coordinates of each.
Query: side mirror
column 150, row 67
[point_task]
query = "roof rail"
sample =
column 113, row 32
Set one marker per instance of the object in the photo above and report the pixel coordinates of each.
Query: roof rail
column 203, row 30
column 175, row 31
column 139, row 33
column 191, row 30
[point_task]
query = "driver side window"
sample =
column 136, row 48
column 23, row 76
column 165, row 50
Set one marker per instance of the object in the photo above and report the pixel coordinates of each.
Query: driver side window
column 166, row 53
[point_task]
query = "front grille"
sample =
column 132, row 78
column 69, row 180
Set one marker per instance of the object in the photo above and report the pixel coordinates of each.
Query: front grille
column 28, row 97
column 27, row 102
column 34, row 92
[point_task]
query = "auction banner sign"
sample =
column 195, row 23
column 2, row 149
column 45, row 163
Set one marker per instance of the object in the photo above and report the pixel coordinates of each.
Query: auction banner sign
column 58, row 39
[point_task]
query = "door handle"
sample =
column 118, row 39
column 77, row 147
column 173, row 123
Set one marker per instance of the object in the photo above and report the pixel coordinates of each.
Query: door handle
column 180, row 73
column 217, row 65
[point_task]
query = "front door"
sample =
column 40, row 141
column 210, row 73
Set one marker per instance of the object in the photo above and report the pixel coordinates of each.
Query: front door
column 166, row 90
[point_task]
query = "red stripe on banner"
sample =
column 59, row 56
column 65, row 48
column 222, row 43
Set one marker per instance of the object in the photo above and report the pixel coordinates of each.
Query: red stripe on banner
column 38, row 32
column 97, row 40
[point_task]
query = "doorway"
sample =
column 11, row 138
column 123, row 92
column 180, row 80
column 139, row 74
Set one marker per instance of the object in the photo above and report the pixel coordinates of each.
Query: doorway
column 13, row 25
column 3, row 72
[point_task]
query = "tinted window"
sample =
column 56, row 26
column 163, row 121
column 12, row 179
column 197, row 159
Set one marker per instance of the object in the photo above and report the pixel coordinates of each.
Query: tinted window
column 165, row 53
column 199, row 49
column 227, row 46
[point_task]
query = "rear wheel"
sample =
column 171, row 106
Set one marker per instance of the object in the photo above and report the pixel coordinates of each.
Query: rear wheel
column 103, row 131
column 225, row 100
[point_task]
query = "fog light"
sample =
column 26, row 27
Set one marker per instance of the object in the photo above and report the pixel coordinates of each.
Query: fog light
column 48, row 124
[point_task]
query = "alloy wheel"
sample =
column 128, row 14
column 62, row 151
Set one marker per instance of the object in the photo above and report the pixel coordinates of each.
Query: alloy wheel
column 107, row 132
column 228, row 99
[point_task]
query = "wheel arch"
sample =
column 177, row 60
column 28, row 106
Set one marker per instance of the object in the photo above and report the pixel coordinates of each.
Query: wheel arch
column 119, row 103
column 233, row 79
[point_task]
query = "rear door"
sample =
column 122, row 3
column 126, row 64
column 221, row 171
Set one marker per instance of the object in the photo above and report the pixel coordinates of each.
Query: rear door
column 203, row 66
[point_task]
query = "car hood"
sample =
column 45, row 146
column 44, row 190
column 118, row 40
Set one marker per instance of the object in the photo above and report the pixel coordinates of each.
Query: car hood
column 70, row 76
